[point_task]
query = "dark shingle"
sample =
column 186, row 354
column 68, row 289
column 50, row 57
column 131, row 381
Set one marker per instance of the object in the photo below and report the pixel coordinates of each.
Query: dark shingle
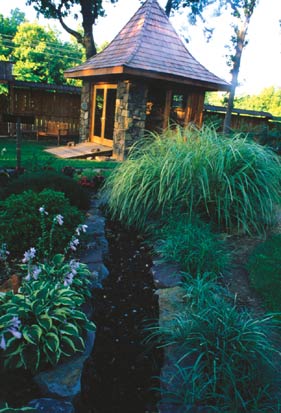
column 148, row 42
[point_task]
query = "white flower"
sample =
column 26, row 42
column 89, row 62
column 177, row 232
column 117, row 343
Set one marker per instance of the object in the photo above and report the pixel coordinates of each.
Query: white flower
column 43, row 211
column 35, row 272
column 3, row 343
column 28, row 277
column 80, row 228
column 73, row 244
column 29, row 255
column 68, row 279
column 59, row 219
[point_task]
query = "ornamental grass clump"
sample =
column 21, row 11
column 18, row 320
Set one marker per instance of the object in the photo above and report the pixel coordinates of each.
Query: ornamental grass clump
column 192, row 244
column 232, row 182
column 225, row 359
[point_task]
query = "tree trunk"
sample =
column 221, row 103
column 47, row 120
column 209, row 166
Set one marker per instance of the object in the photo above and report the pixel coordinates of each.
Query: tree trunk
column 168, row 7
column 88, row 20
column 241, row 33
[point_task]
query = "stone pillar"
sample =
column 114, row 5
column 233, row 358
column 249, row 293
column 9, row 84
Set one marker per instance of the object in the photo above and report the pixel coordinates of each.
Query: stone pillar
column 84, row 129
column 129, row 116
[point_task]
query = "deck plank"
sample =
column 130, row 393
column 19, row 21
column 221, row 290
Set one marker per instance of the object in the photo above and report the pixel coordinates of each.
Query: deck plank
column 80, row 150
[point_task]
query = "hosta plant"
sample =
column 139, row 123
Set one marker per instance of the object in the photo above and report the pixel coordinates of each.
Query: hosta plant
column 41, row 325
column 59, row 270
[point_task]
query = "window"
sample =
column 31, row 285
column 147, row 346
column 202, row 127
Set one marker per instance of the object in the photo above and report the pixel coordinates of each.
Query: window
column 104, row 104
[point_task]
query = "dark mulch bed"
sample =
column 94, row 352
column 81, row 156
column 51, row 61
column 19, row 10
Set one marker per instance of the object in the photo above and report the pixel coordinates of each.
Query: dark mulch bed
column 122, row 371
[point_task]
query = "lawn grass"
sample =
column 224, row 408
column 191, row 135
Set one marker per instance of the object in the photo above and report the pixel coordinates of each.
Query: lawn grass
column 33, row 157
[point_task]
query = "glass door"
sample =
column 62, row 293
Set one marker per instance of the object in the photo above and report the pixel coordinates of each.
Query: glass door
column 104, row 104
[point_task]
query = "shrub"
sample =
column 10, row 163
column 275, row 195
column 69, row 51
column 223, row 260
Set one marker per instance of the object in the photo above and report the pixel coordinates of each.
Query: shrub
column 39, row 181
column 41, row 325
column 232, row 182
column 192, row 245
column 20, row 221
column 224, row 357
column 265, row 271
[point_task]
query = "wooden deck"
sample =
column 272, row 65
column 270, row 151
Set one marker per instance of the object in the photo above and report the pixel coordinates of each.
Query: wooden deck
column 80, row 150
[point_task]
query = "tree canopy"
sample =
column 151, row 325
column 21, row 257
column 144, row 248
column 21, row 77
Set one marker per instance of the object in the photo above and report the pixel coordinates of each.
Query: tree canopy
column 37, row 52
column 61, row 9
column 8, row 29
column 40, row 56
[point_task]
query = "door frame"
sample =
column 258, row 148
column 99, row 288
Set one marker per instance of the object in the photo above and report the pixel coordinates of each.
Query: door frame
column 100, row 139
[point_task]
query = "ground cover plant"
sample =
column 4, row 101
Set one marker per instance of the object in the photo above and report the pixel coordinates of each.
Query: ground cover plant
column 265, row 271
column 224, row 356
column 231, row 182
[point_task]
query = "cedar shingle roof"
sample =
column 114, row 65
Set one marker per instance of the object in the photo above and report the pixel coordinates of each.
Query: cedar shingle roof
column 149, row 46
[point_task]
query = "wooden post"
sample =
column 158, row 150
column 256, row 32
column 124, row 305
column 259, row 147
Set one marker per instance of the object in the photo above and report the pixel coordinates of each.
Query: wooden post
column 18, row 130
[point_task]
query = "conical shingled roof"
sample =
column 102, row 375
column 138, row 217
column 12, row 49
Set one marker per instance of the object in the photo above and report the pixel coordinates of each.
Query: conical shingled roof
column 149, row 46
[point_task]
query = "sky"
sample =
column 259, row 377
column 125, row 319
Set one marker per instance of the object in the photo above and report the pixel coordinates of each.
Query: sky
column 261, row 60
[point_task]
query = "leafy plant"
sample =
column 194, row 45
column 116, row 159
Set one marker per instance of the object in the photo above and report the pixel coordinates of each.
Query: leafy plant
column 224, row 359
column 202, row 290
column 20, row 222
column 40, row 180
column 232, row 182
column 265, row 271
column 192, row 245
column 59, row 270
column 49, row 325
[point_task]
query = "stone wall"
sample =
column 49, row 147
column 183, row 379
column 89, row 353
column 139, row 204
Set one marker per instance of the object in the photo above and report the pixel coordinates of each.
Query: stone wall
column 129, row 116
column 84, row 129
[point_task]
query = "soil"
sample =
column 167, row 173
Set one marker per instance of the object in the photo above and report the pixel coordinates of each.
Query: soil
column 236, row 278
column 123, row 369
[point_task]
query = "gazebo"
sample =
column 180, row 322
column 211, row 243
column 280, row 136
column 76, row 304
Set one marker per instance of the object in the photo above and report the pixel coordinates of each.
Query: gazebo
column 143, row 80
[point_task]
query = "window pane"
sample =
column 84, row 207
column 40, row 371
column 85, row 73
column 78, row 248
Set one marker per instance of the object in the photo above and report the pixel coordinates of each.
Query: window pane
column 178, row 108
column 98, row 112
column 110, row 113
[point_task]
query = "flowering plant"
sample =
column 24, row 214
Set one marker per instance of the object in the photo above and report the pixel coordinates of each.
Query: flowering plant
column 57, row 268
column 43, row 323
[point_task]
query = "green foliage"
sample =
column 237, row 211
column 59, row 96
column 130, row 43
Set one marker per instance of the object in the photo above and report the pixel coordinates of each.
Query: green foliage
column 268, row 100
column 192, row 245
column 40, row 56
column 50, row 325
column 37, row 181
column 8, row 29
column 20, row 221
column 231, row 182
column 224, row 357
column 60, row 271
column 265, row 271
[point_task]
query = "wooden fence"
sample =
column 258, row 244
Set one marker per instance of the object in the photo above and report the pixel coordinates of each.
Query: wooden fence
column 47, row 103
